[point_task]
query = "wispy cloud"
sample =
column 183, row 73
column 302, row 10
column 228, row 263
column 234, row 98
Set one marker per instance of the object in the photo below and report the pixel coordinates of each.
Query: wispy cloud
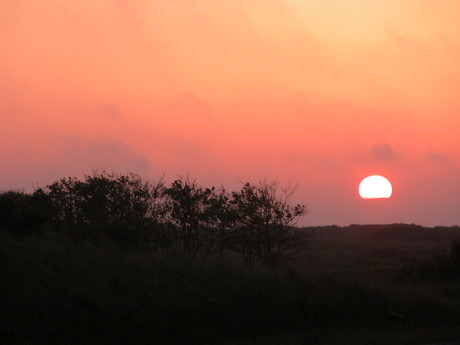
column 110, row 154
column 383, row 152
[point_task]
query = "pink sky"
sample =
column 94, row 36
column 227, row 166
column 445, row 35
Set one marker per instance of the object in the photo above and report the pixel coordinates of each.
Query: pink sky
column 319, row 93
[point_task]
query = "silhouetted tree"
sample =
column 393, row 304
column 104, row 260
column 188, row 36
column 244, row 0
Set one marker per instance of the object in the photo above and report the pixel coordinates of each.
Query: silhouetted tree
column 221, row 217
column 181, row 218
column 265, row 218
column 189, row 215
column 119, row 207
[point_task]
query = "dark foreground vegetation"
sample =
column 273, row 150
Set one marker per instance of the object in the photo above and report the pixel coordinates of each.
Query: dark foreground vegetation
column 182, row 218
column 73, row 281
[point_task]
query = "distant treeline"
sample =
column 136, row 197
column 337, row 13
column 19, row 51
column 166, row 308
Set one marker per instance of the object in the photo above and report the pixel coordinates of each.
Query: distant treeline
column 394, row 231
column 179, row 218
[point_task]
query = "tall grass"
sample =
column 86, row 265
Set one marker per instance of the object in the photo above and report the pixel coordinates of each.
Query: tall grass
column 55, row 291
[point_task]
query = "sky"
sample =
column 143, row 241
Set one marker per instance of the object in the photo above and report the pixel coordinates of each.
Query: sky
column 317, row 94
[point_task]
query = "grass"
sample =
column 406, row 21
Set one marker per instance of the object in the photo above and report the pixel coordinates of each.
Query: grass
column 341, row 290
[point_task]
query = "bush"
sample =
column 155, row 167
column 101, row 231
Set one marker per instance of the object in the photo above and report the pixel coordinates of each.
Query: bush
column 445, row 268
column 22, row 213
column 121, row 208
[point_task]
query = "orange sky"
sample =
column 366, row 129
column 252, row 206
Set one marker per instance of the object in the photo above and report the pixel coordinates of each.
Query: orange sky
column 322, row 93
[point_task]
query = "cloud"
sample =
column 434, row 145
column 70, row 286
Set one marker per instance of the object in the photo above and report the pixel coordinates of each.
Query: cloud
column 436, row 157
column 383, row 153
column 444, row 161
column 110, row 110
column 108, row 154
column 190, row 155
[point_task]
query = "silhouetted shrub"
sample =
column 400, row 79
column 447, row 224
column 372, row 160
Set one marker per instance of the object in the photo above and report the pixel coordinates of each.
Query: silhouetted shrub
column 121, row 208
column 455, row 252
column 22, row 213
column 440, row 268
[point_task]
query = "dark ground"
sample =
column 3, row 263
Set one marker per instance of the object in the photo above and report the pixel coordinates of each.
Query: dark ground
column 393, row 284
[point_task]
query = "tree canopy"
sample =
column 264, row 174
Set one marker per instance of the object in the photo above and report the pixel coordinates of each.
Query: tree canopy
column 180, row 218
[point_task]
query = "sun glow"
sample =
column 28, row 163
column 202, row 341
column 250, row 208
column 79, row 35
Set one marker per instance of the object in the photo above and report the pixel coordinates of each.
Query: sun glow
column 375, row 187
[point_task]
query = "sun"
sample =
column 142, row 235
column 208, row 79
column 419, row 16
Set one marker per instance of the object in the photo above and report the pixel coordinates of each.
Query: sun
column 375, row 187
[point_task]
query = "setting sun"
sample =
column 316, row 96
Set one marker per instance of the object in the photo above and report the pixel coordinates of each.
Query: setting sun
column 375, row 187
